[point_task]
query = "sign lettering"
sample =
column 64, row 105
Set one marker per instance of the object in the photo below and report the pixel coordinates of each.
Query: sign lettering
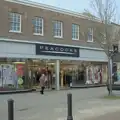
column 56, row 50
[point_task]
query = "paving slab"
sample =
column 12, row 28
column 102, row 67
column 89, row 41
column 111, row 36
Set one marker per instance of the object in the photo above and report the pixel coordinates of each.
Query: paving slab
column 108, row 116
column 53, row 105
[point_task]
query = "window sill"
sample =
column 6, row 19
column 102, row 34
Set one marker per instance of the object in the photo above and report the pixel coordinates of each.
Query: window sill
column 15, row 31
column 37, row 34
column 104, row 43
column 90, row 41
column 75, row 39
column 60, row 37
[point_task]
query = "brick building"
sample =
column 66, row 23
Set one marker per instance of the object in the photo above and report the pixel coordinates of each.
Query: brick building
column 36, row 35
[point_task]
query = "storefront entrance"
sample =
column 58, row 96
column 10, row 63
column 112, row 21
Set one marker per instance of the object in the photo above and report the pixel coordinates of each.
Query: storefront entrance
column 21, row 63
column 22, row 73
column 72, row 72
column 81, row 72
column 69, row 72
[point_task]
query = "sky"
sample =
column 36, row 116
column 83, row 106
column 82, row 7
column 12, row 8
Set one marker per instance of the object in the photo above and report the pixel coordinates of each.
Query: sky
column 74, row 5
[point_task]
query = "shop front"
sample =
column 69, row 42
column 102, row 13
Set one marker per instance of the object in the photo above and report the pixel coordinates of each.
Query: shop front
column 58, row 51
column 21, row 62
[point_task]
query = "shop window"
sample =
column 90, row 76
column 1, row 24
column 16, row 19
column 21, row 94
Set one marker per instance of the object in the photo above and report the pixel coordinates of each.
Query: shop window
column 75, row 32
column 12, row 73
column 15, row 22
column 58, row 29
column 38, row 26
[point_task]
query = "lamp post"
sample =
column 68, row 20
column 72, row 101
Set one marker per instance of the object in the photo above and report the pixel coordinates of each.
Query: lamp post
column 111, row 55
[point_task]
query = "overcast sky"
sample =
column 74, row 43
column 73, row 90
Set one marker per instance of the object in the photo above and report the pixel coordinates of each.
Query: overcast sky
column 75, row 5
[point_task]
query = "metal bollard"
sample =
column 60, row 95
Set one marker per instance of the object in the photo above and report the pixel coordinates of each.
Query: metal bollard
column 69, row 103
column 10, row 109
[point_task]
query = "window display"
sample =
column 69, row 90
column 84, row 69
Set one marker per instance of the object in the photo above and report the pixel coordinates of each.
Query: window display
column 20, row 73
column 7, row 75
column 11, row 74
column 96, row 74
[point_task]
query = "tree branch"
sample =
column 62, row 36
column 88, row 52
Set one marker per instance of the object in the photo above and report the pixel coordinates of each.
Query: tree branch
column 107, row 33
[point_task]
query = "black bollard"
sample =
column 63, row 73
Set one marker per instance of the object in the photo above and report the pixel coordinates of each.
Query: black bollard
column 69, row 103
column 10, row 109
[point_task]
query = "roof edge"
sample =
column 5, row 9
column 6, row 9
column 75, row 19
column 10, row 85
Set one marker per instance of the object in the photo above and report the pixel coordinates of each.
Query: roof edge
column 51, row 8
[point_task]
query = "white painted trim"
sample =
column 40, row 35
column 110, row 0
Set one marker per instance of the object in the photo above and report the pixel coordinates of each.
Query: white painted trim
column 34, row 42
column 20, row 23
column 91, row 34
column 77, row 31
column 20, row 31
column 61, row 27
column 11, row 31
column 89, row 41
column 51, row 8
column 75, row 39
column 42, row 27
column 50, row 57
column 58, row 37
column 38, row 34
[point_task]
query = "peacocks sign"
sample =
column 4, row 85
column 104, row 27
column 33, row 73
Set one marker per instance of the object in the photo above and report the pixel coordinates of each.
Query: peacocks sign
column 57, row 50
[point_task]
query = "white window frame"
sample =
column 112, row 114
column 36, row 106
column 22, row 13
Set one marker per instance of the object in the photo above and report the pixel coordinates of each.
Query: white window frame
column 90, row 30
column 20, row 23
column 42, row 34
column 78, row 31
column 56, row 36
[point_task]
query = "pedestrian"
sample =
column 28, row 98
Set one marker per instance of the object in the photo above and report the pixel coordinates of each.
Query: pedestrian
column 114, row 77
column 42, row 81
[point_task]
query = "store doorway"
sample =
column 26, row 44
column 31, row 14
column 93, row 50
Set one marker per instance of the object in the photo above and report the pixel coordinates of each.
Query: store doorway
column 73, row 73
column 35, row 66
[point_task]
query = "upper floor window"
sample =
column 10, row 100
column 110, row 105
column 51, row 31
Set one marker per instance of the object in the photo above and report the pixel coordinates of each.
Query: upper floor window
column 15, row 22
column 38, row 26
column 58, row 29
column 90, row 34
column 75, row 32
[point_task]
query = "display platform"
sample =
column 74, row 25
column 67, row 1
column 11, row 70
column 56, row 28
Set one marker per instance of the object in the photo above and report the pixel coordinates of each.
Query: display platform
column 14, row 91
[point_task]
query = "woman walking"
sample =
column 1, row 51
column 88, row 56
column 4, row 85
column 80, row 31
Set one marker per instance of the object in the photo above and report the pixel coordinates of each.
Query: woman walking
column 42, row 81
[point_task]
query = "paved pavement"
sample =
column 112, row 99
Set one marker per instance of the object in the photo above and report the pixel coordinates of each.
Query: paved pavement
column 109, row 116
column 53, row 105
